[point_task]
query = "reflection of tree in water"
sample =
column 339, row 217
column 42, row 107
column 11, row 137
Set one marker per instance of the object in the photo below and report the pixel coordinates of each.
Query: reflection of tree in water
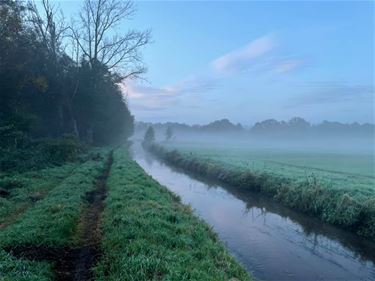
column 315, row 234
column 315, row 231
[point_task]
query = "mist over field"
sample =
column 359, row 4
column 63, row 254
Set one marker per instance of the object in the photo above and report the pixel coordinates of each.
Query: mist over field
column 296, row 134
column 187, row 140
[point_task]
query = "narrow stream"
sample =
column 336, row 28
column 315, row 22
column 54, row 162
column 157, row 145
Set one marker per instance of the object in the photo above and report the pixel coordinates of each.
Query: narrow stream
column 271, row 241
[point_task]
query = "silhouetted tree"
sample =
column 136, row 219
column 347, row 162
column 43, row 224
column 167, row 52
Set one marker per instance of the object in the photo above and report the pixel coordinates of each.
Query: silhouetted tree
column 149, row 135
column 168, row 133
column 46, row 92
column 97, row 42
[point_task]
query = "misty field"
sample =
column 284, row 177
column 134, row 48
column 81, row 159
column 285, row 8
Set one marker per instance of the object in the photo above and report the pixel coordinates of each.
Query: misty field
column 338, row 170
column 339, row 188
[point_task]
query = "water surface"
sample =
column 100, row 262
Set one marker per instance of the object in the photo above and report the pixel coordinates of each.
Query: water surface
column 271, row 241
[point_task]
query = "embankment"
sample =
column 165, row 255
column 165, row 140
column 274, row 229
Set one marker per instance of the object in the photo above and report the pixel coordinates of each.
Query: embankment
column 334, row 206
column 149, row 235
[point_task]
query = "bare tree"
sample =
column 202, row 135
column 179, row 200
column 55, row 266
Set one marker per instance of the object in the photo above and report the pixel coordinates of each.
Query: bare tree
column 50, row 26
column 49, row 23
column 98, row 42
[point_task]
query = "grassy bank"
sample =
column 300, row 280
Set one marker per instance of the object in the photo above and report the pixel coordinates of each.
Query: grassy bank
column 150, row 235
column 43, row 216
column 350, row 208
column 52, row 220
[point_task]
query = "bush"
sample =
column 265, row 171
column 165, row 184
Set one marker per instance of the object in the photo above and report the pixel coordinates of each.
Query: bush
column 40, row 154
column 58, row 151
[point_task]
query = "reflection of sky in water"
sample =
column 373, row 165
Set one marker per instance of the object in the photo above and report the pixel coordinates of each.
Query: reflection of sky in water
column 272, row 246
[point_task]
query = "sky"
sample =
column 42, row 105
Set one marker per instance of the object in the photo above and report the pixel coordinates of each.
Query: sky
column 253, row 60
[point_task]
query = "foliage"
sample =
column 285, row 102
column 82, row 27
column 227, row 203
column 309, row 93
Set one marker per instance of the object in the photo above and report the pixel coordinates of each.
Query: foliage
column 168, row 133
column 46, row 93
column 150, row 235
column 347, row 207
column 40, row 154
column 149, row 136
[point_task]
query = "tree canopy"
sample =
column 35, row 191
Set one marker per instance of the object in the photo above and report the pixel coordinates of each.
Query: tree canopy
column 50, row 87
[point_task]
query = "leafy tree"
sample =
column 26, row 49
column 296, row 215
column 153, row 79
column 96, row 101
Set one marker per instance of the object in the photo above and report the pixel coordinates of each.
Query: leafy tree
column 149, row 135
column 168, row 133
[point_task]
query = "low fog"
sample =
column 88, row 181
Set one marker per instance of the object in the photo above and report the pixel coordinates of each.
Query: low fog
column 294, row 135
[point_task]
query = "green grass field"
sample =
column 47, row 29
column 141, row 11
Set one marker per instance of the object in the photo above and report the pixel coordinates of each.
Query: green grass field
column 142, row 231
column 337, row 188
column 352, row 172
column 150, row 235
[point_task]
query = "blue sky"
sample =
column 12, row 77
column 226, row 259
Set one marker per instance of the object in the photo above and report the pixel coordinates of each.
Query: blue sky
column 249, row 61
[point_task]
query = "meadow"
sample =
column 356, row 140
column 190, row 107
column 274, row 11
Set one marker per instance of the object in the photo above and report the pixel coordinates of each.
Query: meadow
column 337, row 187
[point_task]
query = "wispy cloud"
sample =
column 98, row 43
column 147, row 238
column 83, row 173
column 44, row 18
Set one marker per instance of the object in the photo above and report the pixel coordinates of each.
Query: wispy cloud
column 243, row 58
column 152, row 98
column 288, row 65
column 259, row 55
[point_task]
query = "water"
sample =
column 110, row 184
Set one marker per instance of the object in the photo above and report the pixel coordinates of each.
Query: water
column 271, row 241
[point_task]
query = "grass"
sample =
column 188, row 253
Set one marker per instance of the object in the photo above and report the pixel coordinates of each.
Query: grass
column 52, row 221
column 150, row 235
column 23, row 270
column 339, row 198
column 27, row 188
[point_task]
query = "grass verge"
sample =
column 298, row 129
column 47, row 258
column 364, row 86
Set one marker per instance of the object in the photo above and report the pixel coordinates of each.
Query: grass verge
column 52, row 221
column 149, row 235
column 338, row 207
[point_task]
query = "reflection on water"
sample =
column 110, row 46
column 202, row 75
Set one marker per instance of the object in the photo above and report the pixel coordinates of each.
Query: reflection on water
column 273, row 242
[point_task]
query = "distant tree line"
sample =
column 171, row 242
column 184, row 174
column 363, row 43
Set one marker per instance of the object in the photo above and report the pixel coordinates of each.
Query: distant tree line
column 294, row 127
column 298, row 127
column 58, row 78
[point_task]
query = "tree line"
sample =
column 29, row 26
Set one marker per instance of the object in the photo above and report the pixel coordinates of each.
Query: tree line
column 296, row 126
column 59, row 78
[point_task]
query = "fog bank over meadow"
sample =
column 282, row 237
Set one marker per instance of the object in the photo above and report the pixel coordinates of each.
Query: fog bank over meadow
column 295, row 134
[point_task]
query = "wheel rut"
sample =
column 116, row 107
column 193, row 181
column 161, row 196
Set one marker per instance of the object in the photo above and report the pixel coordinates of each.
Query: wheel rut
column 76, row 263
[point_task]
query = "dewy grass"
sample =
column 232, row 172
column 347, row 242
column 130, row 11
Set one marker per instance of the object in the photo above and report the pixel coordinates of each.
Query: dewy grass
column 27, row 188
column 23, row 270
column 348, row 207
column 52, row 221
column 150, row 235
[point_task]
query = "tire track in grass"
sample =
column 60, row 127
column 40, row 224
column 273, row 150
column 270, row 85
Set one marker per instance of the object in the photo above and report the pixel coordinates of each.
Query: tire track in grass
column 22, row 208
column 91, row 234
column 75, row 263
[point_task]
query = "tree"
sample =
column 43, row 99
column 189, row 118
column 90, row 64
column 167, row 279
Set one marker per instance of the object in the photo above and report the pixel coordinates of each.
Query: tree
column 49, row 26
column 149, row 135
column 44, row 92
column 168, row 133
column 94, row 36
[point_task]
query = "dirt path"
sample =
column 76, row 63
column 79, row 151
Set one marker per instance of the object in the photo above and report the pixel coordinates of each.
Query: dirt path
column 73, row 264
column 90, row 225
